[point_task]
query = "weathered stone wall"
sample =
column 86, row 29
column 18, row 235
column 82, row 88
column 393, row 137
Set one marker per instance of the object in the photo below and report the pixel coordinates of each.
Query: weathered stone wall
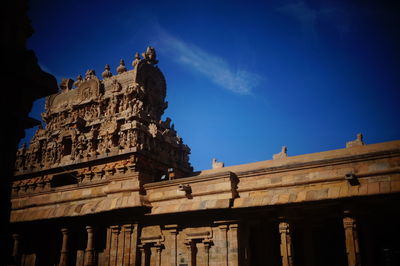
column 211, row 218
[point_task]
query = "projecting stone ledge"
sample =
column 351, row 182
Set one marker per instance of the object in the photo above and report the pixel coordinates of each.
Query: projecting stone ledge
column 78, row 208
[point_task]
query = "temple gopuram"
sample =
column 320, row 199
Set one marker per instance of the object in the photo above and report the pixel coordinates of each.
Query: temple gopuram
column 107, row 182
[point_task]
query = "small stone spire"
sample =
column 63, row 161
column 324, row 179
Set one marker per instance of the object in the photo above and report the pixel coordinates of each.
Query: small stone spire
column 136, row 61
column 281, row 155
column 215, row 164
column 357, row 142
column 106, row 73
column 121, row 68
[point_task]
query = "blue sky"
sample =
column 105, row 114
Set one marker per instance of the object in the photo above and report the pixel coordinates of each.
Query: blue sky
column 243, row 78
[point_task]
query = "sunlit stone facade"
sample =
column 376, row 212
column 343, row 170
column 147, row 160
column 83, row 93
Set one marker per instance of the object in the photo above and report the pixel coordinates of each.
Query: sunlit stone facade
column 107, row 182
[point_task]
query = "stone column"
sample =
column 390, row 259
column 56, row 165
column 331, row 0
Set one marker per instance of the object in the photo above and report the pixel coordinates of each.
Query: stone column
column 15, row 251
column 89, row 251
column 352, row 249
column 158, row 247
column 64, row 248
column 190, row 246
column 233, row 245
column 224, row 231
column 173, row 230
column 142, row 249
column 206, row 245
column 286, row 244
column 115, row 230
column 127, row 246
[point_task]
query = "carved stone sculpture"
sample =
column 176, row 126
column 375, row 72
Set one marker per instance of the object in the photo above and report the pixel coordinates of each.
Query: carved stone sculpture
column 66, row 84
column 90, row 73
column 150, row 55
column 106, row 118
column 78, row 81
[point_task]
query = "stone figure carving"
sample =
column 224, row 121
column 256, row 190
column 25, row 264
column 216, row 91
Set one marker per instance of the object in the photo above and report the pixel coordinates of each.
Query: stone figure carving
column 80, row 145
column 137, row 107
column 131, row 138
column 122, row 140
column 20, row 159
column 78, row 81
column 280, row 155
column 150, row 55
column 66, row 84
column 90, row 148
column 109, row 142
column 101, row 147
column 121, row 68
column 115, row 86
column 357, row 142
column 136, row 61
column 112, row 106
column 106, row 73
column 123, row 105
column 216, row 165
column 90, row 73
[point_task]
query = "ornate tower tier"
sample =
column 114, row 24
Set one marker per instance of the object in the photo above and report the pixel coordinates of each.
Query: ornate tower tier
column 94, row 127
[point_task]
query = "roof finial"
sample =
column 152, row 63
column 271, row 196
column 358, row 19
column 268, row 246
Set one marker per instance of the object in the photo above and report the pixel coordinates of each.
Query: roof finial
column 106, row 73
column 216, row 164
column 281, row 155
column 357, row 142
column 136, row 61
column 121, row 68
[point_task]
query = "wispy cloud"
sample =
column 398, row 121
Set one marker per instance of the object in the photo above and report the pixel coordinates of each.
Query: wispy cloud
column 308, row 17
column 215, row 68
column 304, row 14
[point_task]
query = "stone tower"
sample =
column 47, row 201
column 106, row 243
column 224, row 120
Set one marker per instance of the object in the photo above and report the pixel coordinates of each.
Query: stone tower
column 99, row 129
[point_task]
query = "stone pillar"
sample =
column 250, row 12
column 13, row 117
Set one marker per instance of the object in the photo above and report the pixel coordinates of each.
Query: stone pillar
column 89, row 251
column 15, row 251
column 224, row 231
column 128, row 242
column 173, row 230
column 206, row 245
column 190, row 246
column 142, row 249
column 352, row 248
column 233, row 245
column 158, row 247
column 286, row 244
column 115, row 230
column 64, row 248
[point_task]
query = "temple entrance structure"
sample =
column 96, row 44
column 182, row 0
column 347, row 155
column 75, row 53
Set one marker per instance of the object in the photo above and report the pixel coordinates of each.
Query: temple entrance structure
column 107, row 182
